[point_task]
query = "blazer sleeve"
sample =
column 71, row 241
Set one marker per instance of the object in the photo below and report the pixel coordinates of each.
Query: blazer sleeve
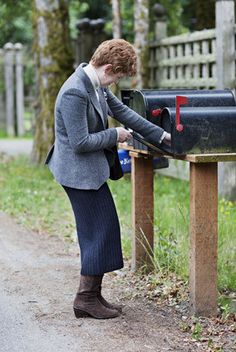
column 132, row 120
column 73, row 108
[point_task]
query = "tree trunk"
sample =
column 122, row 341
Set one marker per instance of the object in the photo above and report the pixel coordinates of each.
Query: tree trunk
column 141, row 29
column 116, row 19
column 54, row 63
column 116, row 31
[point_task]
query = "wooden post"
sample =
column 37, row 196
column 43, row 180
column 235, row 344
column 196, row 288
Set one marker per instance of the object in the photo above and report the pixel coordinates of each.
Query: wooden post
column 84, row 40
column 142, row 210
column 203, row 238
column 9, row 87
column 225, row 73
column 2, row 98
column 116, row 19
column 161, row 22
column 141, row 30
column 19, row 90
column 225, row 44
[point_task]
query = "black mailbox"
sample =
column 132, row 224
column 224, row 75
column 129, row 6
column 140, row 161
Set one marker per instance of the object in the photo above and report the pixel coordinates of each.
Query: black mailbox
column 208, row 122
column 205, row 130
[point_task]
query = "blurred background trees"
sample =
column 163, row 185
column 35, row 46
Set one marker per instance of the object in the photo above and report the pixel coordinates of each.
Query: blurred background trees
column 18, row 23
column 15, row 21
column 182, row 15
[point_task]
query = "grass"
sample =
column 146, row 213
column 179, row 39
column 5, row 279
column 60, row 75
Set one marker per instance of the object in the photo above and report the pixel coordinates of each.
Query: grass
column 30, row 194
column 26, row 135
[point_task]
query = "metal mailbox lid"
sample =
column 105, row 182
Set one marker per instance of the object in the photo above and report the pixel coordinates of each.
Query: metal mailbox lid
column 146, row 100
column 206, row 130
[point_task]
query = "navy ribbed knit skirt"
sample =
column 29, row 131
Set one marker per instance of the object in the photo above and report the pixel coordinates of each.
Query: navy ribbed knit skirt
column 98, row 229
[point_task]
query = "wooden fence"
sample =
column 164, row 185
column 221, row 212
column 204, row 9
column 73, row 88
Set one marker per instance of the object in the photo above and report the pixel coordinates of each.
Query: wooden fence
column 12, row 90
column 17, row 98
column 203, row 59
column 184, row 61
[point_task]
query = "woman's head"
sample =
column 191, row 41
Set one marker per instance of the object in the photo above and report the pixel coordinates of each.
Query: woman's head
column 119, row 53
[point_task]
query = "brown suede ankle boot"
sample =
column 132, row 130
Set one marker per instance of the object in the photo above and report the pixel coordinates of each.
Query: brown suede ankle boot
column 104, row 302
column 87, row 303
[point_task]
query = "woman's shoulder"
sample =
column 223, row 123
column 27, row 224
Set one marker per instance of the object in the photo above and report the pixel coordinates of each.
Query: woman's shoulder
column 74, row 86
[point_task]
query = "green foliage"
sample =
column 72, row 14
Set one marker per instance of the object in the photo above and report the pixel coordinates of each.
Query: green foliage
column 171, row 225
column 226, row 243
column 174, row 10
column 76, row 9
column 94, row 9
column 15, row 21
column 227, row 306
column 34, row 198
column 197, row 330
column 127, row 15
column 91, row 9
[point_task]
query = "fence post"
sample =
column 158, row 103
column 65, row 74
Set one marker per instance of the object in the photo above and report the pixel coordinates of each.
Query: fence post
column 2, row 98
column 98, row 33
column 225, row 63
column 19, row 90
column 161, row 23
column 84, row 40
column 90, row 35
column 9, row 84
column 225, row 44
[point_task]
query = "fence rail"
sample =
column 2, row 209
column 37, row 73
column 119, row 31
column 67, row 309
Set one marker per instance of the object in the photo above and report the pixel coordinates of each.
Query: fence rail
column 184, row 61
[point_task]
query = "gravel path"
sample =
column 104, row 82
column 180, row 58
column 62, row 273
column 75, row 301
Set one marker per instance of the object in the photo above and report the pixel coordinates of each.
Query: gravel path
column 39, row 276
column 15, row 147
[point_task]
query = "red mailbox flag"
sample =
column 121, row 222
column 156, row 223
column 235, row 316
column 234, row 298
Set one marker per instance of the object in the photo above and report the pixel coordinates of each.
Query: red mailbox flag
column 180, row 100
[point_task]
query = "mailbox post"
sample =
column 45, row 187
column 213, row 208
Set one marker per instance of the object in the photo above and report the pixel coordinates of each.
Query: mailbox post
column 206, row 137
column 142, row 210
column 203, row 238
column 203, row 222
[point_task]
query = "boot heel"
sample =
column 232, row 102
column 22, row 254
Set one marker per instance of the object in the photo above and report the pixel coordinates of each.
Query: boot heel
column 80, row 313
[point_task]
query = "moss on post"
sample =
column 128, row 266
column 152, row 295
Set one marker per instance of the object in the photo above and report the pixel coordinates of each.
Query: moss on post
column 54, row 63
column 141, row 26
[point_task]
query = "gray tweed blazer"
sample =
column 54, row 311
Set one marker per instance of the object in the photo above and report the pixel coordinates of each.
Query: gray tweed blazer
column 77, row 158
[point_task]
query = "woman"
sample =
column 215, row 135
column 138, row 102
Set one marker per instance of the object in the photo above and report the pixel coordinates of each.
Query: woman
column 81, row 160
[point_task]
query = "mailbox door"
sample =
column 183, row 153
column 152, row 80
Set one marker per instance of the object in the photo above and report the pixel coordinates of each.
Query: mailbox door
column 205, row 130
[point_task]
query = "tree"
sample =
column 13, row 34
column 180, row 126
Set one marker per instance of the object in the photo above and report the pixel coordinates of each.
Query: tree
column 141, row 30
column 54, row 63
column 116, row 19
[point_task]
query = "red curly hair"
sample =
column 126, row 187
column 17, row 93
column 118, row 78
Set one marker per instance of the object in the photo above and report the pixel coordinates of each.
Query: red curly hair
column 117, row 52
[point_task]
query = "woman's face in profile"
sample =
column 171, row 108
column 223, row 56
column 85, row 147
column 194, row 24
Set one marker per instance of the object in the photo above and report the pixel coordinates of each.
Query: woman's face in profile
column 109, row 77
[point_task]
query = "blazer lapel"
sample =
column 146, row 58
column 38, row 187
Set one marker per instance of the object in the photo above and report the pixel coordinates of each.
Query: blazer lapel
column 96, row 104
column 91, row 91
column 103, row 104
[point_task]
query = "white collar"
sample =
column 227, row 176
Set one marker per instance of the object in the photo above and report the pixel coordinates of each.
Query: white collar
column 92, row 75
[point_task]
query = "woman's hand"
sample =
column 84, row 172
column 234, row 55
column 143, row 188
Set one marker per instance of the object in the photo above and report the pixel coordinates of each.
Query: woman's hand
column 167, row 139
column 123, row 135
